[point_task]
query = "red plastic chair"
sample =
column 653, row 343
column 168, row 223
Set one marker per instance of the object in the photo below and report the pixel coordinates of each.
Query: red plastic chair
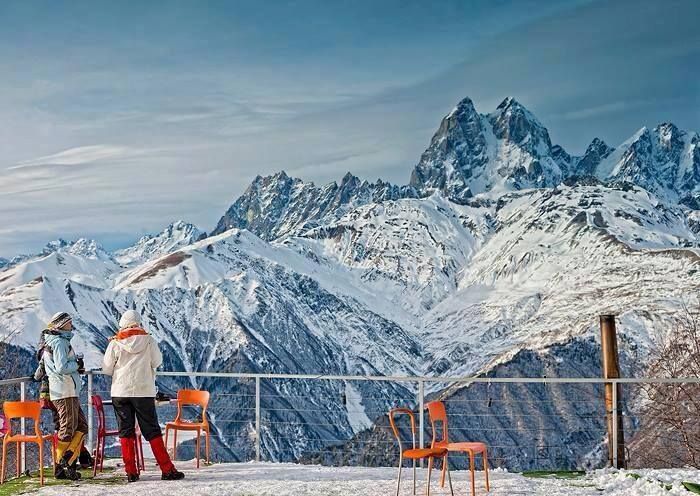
column 192, row 397
column 437, row 412
column 414, row 453
column 103, row 433
column 19, row 410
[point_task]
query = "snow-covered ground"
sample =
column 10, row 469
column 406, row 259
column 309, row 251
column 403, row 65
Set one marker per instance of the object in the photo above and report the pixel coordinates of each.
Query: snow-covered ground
column 268, row 479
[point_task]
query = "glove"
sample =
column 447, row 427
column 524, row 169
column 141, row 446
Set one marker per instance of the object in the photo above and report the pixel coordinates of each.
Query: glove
column 40, row 373
column 81, row 365
column 161, row 396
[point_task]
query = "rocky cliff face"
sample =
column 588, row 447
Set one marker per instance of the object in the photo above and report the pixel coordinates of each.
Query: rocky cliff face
column 473, row 153
column 277, row 205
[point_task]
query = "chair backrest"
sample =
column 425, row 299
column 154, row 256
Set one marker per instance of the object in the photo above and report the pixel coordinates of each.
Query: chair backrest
column 100, row 410
column 23, row 409
column 438, row 413
column 394, row 412
column 193, row 397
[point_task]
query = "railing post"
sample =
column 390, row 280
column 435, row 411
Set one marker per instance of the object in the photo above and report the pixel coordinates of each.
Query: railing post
column 421, row 415
column 89, row 407
column 614, row 424
column 257, row 419
column 611, row 370
column 23, row 428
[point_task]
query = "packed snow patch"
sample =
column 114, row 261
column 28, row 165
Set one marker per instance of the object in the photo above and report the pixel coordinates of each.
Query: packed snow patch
column 357, row 416
column 271, row 479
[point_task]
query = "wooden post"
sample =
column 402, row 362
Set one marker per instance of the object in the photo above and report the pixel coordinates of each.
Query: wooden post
column 613, row 396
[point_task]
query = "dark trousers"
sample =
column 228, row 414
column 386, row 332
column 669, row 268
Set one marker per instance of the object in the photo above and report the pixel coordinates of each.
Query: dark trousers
column 129, row 410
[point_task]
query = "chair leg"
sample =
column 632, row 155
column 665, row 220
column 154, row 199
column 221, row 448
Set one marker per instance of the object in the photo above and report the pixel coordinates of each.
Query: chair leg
column 206, row 440
column 167, row 431
column 18, row 452
column 444, row 469
column 197, row 445
column 414, row 477
column 137, row 451
column 398, row 480
column 139, row 447
column 96, row 459
column 4, row 457
column 53, row 457
column 486, row 470
column 102, row 454
column 471, row 470
column 449, row 477
column 54, row 446
column 174, row 444
column 41, row 462
column 430, row 471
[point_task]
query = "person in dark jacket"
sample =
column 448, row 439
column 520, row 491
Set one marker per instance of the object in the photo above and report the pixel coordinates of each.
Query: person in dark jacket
column 132, row 358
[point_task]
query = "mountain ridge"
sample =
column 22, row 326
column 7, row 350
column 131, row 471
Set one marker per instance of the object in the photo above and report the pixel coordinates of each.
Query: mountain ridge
column 472, row 155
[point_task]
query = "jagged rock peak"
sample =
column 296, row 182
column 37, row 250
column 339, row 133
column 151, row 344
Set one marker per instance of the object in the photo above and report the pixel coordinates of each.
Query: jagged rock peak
column 466, row 154
column 513, row 122
column 594, row 154
column 278, row 205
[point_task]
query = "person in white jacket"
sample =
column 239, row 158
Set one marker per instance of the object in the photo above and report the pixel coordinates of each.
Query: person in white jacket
column 132, row 358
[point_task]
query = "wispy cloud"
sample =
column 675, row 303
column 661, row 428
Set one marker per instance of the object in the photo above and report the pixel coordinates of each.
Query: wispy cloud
column 595, row 111
column 81, row 155
column 106, row 126
column 603, row 109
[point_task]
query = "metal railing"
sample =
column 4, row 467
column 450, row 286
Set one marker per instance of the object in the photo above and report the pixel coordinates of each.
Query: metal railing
column 418, row 385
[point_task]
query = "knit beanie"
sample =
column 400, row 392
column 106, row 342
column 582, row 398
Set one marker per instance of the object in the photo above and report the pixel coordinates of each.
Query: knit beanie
column 59, row 320
column 131, row 318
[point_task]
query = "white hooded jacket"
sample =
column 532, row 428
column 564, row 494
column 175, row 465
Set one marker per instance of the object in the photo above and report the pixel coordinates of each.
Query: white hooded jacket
column 132, row 363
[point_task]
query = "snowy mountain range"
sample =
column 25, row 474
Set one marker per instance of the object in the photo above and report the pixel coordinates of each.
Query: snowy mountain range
column 498, row 255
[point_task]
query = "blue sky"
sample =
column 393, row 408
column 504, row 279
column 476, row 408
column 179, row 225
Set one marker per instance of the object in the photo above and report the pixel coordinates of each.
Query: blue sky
column 117, row 118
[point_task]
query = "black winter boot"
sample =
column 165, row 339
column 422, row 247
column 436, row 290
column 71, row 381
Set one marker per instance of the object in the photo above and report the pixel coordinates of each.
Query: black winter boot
column 174, row 474
column 85, row 459
column 70, row 469
column 59, row 473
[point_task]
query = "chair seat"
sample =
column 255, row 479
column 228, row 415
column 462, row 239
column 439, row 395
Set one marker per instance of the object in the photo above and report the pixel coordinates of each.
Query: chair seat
column 19, row 438
column 184, row 425
column 466, row 446
column 424, row 452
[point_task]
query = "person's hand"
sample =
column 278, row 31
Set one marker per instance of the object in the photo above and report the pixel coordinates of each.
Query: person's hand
column 81, row 365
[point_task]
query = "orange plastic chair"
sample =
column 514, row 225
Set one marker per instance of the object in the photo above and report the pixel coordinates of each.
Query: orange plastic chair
column 187, row 397
column 437, row 412
column 28, row 410
column 103, row 433
column 414, row 453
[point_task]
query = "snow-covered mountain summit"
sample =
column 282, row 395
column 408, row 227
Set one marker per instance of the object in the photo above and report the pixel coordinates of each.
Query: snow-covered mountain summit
column 664, row 160
column 473, row 153
column 177, row 235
